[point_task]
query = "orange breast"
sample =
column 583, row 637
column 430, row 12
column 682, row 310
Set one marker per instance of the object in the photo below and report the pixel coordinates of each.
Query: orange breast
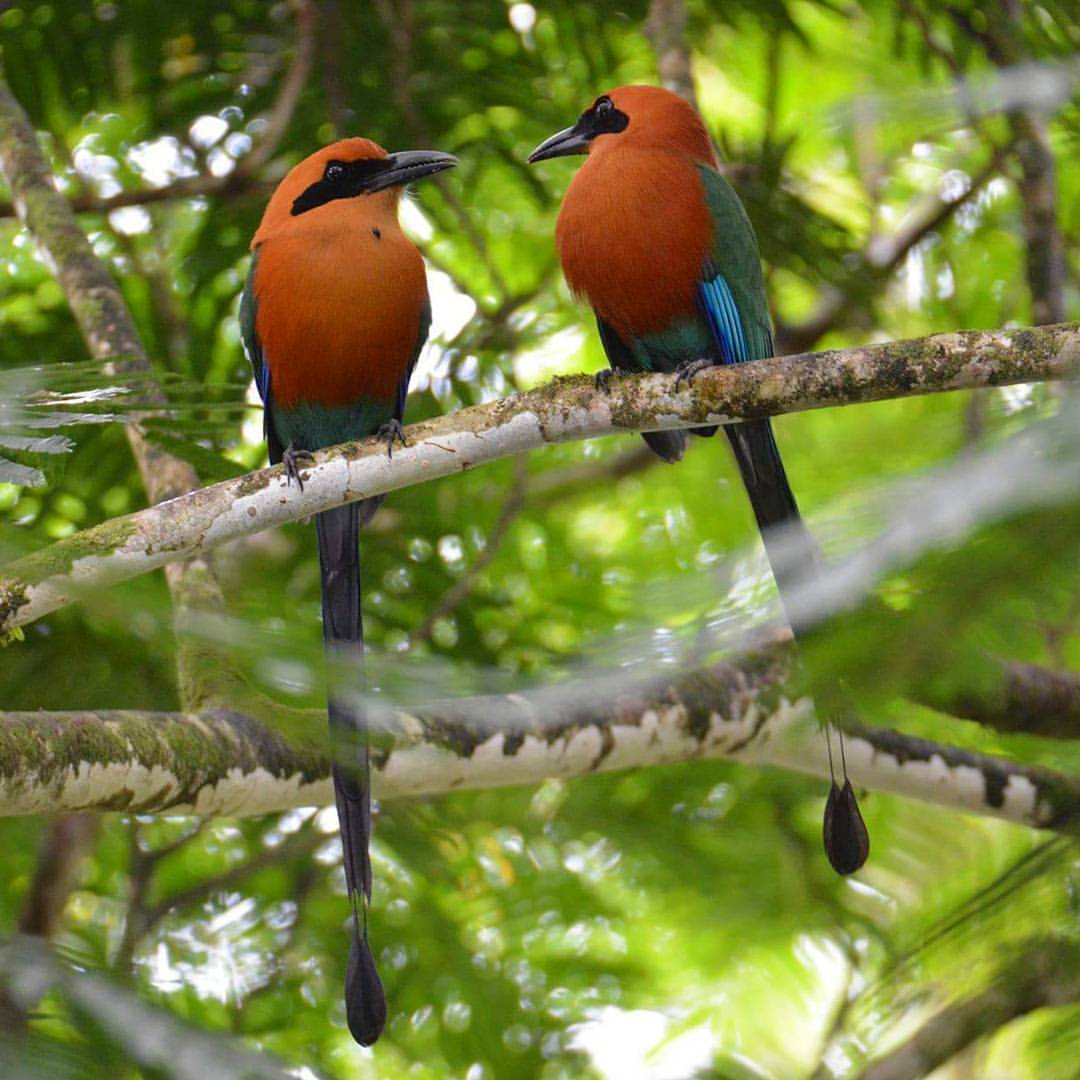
column 633, row 235
column 338, row 311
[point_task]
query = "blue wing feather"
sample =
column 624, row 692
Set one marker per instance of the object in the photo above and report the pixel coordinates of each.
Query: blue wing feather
column 725, row 323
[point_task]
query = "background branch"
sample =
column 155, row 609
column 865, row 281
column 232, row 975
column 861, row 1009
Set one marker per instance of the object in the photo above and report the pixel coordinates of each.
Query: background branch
column 289, row 90
column 300, row 844
column 459, row 592
column 99, row 309
column 225, row 763
column 1023, row 698
column 156, row 1039
column 1045, row 246
column 1045, row 973
column 665, row 27
column 68, row 839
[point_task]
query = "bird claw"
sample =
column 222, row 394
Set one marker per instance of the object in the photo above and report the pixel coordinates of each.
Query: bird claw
column 392, row 432
column 292, row 459
column 602, row 380
column 688, row 369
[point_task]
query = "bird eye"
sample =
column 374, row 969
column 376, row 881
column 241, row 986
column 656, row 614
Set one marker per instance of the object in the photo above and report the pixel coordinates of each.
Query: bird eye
column 603, row 105
column 335, row 171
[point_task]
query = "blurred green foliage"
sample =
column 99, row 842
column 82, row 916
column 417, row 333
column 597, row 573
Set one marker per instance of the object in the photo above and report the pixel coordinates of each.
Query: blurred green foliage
column 683, row 916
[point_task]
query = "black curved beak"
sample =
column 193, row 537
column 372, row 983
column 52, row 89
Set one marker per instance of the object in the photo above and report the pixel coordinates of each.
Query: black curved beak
column 571, row 140
column 408, row 165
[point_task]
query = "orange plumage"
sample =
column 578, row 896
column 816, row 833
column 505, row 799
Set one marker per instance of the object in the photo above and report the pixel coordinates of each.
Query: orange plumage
column 339, row 290
column 333, row 317
column 637, row 268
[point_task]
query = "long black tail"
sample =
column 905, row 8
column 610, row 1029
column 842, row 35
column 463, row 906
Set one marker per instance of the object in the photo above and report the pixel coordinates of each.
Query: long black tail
column 343, row 634
column 795, row 558
column 670, row 445
column 793, row 554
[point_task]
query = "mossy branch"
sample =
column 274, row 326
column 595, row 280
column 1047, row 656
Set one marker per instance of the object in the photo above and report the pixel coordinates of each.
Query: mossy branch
column 109, row 330
column 219, row 762
column 563, row 410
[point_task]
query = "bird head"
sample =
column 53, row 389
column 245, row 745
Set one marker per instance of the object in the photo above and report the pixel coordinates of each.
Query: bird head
column 638, row 117
column 357, row 170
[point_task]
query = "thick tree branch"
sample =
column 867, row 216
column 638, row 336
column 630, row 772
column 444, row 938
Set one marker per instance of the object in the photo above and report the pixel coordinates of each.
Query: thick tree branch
column 665, row 27
column 225, row 763
column 109, row 331
column 1047, row 973
column 564, row 410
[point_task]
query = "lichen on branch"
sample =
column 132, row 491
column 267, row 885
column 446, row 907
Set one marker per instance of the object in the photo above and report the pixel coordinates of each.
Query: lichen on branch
column 566, row 409
column 226, row 762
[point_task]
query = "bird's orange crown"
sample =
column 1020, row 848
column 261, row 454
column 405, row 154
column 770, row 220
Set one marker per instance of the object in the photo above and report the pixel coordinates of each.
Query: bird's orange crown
column 634, row 230
column 659, row 120
column 279, row 217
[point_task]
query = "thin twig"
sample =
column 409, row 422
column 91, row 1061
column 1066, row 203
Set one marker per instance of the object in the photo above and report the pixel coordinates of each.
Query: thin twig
column 555, row 485
column 301, row 843
column 289, row 90
column 880, row 258
column 399, row 19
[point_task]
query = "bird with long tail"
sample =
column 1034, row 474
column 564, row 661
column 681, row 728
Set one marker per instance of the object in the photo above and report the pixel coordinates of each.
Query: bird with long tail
column 333, row 316
column 659, row 244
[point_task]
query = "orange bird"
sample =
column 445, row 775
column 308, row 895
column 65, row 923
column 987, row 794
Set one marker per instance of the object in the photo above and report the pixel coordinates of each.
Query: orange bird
column 333, row 316
column 659, row 244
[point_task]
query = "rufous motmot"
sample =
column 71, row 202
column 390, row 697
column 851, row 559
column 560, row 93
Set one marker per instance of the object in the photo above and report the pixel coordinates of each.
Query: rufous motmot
column 333, row 316
column 656, row 240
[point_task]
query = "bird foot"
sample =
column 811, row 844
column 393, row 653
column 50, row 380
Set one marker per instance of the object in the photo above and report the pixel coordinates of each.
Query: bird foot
column 292, row 459
column 392, row 432
column 602, row 380
column 688, row 369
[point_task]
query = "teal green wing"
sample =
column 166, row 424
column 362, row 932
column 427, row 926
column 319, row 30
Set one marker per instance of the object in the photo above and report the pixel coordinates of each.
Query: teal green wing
column 259, row 368
column 421, row 337
column 732, row 290
column 732, row 298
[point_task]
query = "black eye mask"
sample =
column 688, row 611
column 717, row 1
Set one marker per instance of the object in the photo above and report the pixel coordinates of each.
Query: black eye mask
column 602, row 118
column 365, row 176
column 341, row 180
